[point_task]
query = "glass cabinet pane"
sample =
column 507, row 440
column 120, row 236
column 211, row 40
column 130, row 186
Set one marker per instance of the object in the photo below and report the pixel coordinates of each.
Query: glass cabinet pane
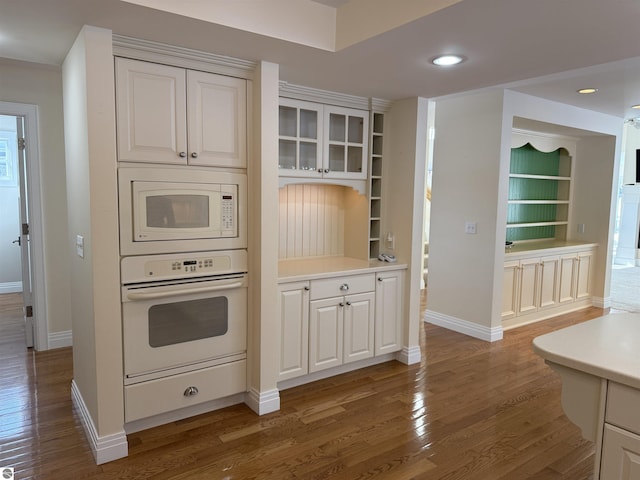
column 308, row 124
column 354, row 159
column 337, row 126
column 287, row 156
column 356, row 130
column 336, row 158
column 288, row 121
column 308, row 160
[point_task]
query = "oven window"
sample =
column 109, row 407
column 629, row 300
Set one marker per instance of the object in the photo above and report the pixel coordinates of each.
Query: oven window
column 178, row 211
column 181, row 322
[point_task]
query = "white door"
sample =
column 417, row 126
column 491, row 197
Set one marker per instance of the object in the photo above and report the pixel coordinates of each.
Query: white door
column 358, row 326
column 388, row 312
column 24, row 235
column 326, row 330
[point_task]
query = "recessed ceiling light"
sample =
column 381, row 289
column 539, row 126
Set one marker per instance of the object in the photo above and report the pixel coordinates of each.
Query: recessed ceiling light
column 587, row 90
column 447, row 60
column 637, row 107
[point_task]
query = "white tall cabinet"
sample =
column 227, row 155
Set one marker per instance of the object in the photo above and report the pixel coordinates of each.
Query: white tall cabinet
column 172, row 115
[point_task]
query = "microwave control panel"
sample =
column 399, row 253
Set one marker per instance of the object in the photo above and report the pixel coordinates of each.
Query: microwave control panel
column 228, row 214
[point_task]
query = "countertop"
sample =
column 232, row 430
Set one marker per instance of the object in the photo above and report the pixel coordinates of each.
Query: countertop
column 543, row 247
column 324, row 267
column 606, row 347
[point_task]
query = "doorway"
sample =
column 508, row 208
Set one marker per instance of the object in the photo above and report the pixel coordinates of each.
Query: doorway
column 21, row 247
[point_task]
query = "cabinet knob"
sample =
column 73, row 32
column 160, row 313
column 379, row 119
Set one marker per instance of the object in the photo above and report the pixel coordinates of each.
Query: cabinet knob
column 306, row 288
column 319, row 170
column 194, row 154
column 344, row 287
column 379, row 279
column 182, row 154
column 326, row 170
column 348, row 304
column 341, row 304
column 191, row 391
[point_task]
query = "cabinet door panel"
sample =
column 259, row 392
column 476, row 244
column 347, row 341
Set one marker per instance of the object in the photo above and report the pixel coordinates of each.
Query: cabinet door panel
column 346, row 142
column 388, row 315
column 325, row 334
column 583, row 275
column 217, row 107
column 528, row 301
column 620, row 454
column 566, row 283
column 151, row 112
column 358, row 327
column 510, row 289
column 294, row 330
column 549, row 281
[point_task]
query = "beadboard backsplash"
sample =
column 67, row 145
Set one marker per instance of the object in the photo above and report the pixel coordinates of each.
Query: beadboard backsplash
column 319, row 220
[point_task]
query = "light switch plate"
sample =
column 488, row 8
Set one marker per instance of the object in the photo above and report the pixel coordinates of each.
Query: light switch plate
column 80, row 246
column 470, row 228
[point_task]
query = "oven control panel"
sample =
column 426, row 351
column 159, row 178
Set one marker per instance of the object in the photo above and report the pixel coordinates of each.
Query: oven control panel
column 162, row 267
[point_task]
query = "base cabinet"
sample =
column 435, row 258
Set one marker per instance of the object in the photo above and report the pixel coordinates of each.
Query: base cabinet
column 620, row 454
column 320, row 329
column 537, row 287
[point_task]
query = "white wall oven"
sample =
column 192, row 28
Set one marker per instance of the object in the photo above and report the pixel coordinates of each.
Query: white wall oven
column 168, row 210
column 183, row 312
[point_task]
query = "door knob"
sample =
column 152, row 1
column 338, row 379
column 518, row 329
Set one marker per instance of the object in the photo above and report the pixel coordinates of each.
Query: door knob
column 18, row 241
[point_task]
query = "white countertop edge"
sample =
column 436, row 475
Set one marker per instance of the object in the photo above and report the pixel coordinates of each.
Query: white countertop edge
column 545, row 247
column 293, row 270
column 606, row 347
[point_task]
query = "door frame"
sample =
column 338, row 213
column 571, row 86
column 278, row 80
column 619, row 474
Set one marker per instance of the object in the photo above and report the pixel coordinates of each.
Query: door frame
column 34, row 205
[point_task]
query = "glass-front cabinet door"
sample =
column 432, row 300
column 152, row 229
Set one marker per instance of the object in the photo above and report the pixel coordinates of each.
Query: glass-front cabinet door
column 346, row 140
column 300, row 139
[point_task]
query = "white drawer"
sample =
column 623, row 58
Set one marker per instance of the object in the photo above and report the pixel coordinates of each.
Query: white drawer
column 623, row 407
column 166, row 394
column 338, row 286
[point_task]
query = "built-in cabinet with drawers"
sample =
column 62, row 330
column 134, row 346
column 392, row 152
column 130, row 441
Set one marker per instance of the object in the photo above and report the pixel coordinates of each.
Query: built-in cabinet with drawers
column 172, row 115
column 332, row 321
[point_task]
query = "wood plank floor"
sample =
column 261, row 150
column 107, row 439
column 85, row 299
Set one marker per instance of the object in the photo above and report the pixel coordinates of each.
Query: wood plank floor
column 470, row 410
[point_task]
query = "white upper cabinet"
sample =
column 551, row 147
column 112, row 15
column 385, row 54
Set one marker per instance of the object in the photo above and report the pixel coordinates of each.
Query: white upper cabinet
column 322, row 141
column 176, row 116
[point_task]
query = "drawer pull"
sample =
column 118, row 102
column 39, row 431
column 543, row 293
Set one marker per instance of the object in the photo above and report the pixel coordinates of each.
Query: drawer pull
column 191, row 392
column 344, row 287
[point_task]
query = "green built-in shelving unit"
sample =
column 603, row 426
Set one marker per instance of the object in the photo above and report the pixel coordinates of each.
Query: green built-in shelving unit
column 539, row 194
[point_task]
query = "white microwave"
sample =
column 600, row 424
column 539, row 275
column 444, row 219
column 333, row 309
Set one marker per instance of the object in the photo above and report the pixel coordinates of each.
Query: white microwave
column 167, row 210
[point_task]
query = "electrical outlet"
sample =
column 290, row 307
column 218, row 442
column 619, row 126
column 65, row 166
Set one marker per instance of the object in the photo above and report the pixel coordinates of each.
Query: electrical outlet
column 470, row 228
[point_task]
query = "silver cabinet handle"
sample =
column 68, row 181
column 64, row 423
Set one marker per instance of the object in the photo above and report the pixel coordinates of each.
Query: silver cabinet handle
column 344, row 287
column 182, row 154
column 194, row 154
column 191, row 392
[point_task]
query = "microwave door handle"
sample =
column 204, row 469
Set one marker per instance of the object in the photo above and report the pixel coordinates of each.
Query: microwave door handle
column 186, row 291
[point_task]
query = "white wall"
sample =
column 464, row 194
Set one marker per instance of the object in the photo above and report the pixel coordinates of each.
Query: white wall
column 41, row 85
column 89, row 101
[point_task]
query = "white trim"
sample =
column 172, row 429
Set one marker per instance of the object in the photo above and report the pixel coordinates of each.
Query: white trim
column 601, row 302
column 10, row 287
column 263, row 402
column 107, row 448
column 60, row 339
column 489, row 334
column 409, row 355
column 36, row 225
column 180, row 414
column 299, row 92
column 149, row 51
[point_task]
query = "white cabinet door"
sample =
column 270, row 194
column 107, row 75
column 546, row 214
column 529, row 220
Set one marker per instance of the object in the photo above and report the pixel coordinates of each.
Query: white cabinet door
column 567, row 276
column 346, row 138
column 549, row 267
column 620, row 454
column 528, row 281
column 151, row 112
column 300, row 139
column 217, row 119
column 388, row 315
column 326, row 333
column 293, row 307
column 510, row 289
column 583, row 274
column 358, row 326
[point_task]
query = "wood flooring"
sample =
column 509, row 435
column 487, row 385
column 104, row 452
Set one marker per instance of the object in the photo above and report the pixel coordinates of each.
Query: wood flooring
column 469, row 410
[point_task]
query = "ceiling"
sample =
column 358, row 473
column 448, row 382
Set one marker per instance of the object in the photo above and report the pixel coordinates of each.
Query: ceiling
column 546, row 48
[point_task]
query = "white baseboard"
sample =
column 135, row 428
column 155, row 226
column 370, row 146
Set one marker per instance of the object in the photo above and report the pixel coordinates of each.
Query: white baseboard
column 106, row 448
column 60, row 339
column 489, row 334
column 409, row 355
column 601, row 302
column 263, row 402
column 10, row 287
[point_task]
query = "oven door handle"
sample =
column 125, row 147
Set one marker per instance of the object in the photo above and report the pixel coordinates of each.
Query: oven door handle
column 186, row 291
